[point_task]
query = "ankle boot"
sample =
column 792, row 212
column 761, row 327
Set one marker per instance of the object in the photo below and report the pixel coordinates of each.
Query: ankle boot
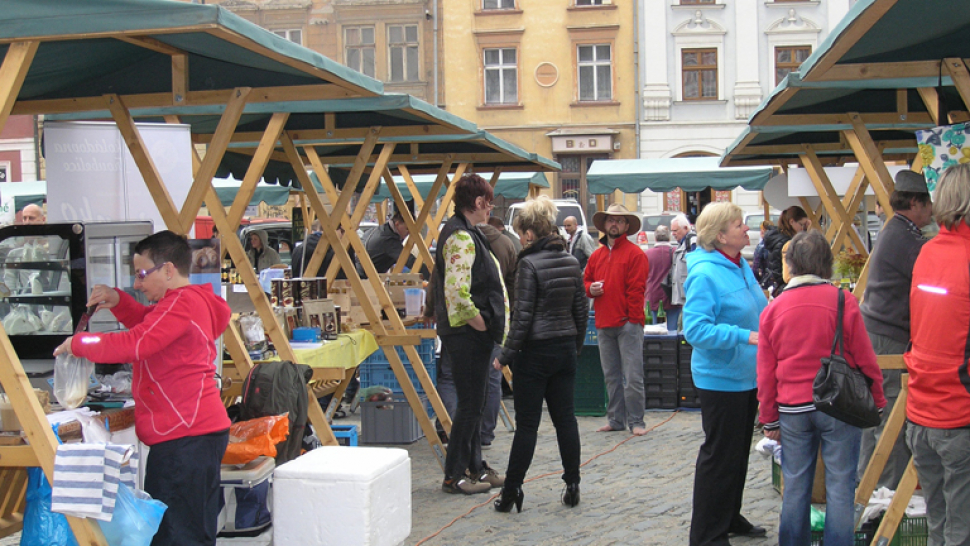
column 508, row 498
column 570, row 495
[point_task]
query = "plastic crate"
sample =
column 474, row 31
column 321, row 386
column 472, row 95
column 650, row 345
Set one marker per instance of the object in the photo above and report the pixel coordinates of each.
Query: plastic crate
column 389, row 422
column 688, row 399
column 589, row 397
column 346, row 434
column 911, row 532
column 666, row 402
column 660, row 387
column 663, row 371
column 381, row 374
column 425, row 351
column 591, row 336
column 661, row 344
column 659, row 360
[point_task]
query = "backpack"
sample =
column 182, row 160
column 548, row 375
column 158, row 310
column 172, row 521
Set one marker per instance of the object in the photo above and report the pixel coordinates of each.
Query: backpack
column 274, row 388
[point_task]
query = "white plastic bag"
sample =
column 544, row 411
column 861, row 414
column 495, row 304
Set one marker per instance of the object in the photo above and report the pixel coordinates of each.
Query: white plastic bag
column 71, row 378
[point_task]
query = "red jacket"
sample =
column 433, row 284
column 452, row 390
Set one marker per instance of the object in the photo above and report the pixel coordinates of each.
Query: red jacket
column 939, row 385
column 795, row 333
column 623, row 270
column 172, row 347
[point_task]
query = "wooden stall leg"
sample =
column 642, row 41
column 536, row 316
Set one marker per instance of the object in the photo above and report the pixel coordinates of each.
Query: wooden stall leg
column 12, row 74
column 894, row 425
column 897, row 507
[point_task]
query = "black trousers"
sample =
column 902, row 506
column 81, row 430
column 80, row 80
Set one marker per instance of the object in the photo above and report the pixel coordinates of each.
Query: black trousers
column 184, row 474
column 722, row 465
column 470, row 356
column 544, row 370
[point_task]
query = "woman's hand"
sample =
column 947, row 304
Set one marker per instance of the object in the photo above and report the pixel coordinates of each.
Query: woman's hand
column 478, row 323
column 64, row 347
column 497, row 365
column 753, row 338
column 773, row 434
column 104, row 297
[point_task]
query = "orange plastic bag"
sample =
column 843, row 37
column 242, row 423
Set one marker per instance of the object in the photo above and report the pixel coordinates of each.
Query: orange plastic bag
column 250, row 439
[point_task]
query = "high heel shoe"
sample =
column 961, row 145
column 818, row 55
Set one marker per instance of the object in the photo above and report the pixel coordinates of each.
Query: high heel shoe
column 508, row 498
column 570, row 495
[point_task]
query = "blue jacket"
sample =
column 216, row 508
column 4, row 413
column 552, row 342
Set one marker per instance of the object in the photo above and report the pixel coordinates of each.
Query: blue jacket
column 724, row 303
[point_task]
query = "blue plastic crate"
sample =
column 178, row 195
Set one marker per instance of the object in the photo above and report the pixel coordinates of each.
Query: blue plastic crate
column 346, row 434
column 380, row 373
column 591, row 338
column 425, row 351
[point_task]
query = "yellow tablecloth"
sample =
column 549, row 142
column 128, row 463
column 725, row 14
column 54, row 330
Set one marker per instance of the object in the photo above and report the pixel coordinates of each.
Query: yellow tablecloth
column 346, row 352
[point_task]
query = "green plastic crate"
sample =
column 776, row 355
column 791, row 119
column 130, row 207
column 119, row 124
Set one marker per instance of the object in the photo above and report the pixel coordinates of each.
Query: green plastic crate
column 590, row 395
column 911, row 532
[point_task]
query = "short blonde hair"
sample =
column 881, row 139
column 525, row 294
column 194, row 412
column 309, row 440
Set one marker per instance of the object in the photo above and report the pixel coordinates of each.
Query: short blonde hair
column 539, row 215
column 715, row 219
column 952, row 202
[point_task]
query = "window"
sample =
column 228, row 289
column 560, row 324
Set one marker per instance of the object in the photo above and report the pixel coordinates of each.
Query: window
column 359, row 49
column 498, row 4
column 687, row 2
column 402, row 53
column 501, row 76
column 700, row 74
column 294, row 35
column 595, row 73
column 589, row 2
column 788, row 59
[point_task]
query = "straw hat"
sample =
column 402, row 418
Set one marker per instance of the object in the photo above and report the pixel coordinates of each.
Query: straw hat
column 616, row 209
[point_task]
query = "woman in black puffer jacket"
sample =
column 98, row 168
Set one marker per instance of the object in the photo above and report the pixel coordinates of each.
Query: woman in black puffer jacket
column 545, row 335
column 793, row 220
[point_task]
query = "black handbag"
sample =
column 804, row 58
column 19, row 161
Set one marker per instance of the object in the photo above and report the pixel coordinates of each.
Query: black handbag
column 841, row 390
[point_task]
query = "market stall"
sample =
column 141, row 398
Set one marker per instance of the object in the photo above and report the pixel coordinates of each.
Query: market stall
column 860, row 96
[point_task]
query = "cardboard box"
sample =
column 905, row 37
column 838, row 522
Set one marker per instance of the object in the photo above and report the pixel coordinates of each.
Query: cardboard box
column 344, row 296
column 397, row 282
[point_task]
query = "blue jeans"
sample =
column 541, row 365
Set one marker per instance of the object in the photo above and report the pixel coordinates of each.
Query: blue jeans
column 801, row 435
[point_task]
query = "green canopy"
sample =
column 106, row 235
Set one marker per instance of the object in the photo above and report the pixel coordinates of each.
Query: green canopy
column 271, row 194
column 21, row 201
column 509, row 185
column 661, row 175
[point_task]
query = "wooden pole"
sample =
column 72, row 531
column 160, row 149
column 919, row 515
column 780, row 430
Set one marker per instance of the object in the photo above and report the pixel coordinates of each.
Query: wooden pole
column 13, row 71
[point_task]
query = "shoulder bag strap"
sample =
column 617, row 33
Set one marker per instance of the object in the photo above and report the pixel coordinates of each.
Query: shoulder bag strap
column 837, row 342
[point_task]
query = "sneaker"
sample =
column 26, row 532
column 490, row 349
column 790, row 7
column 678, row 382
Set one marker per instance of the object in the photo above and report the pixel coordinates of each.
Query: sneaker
column 486, row 445
column 464, row 486
column 490, row 476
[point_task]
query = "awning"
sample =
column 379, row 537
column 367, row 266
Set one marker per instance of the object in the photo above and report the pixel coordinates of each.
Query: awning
column 509, row 185
column 21, row 201
column 271, row 194
column 661, row 175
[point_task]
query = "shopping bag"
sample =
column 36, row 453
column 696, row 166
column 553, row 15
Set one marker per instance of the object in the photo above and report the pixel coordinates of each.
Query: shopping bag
column 41, row 526
column 259, row 436
column 72, row 376
column 136, row 518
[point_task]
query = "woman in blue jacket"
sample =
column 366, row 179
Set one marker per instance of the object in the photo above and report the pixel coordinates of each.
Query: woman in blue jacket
column 724, row 302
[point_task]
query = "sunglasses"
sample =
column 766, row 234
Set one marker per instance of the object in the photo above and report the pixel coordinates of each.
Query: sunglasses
column 142, row 273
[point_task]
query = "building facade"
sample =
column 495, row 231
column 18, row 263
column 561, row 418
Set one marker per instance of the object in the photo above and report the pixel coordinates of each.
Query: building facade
column 556, row 78
column 389, row 40
column 18, row 150
column 708, row 64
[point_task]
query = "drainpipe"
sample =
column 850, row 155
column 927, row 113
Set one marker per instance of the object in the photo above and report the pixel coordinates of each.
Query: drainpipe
column 434, row 16
column 636, row 92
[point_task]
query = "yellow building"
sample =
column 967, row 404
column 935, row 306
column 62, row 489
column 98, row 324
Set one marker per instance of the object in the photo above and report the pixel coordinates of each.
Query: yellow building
column 556, row 78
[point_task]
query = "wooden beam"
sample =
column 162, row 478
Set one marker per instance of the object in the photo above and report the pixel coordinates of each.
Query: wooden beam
column 13, row 71
column 145, row 163
column 256, row 168
column 851, row 201
column 342, row 137
column 902, row 107
column 829, row 196
column 849, row 37
column 180, row 78
column 852, row 72
column 814, row 215
column 961, row 78
column 414, row 229
column 151, row 44
column 870, row 158
column 885, row 118
column 213, row 157
column 413, row 188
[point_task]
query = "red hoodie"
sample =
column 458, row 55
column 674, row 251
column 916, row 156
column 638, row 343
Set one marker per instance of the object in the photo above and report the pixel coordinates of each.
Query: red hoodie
column 623, row 270
column 172, row 348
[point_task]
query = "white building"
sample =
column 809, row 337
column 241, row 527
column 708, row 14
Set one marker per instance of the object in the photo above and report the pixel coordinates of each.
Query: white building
column 706, row 65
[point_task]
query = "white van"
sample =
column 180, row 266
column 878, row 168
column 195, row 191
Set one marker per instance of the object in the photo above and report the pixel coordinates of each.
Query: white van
column 567, row 208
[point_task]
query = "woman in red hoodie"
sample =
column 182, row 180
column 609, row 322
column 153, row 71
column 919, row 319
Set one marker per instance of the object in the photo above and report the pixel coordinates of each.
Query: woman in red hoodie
column 178, row 411
column 795, row 333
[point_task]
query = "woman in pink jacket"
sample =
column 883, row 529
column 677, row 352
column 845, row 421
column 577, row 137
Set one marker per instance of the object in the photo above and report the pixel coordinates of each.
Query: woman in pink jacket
column 795, row 333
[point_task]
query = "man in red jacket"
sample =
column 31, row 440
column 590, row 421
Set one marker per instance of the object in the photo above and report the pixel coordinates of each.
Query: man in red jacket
column 615, row 278
column 178, row 410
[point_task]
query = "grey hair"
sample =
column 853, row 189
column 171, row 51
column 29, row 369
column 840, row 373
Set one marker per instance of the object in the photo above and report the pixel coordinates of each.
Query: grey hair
column 952, row 202
column 662, row 233
column 681, row 220
column 809, row 254
column 715, row 219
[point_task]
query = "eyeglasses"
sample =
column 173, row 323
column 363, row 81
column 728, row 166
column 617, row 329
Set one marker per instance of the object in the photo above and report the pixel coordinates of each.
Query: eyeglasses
column 142, row 273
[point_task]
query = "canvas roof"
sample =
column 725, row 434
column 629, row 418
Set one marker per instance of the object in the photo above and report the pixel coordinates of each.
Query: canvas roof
column 660, row 175
column 509, row 185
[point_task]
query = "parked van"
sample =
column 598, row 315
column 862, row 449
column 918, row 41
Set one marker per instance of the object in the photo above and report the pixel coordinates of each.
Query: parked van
column 567, row 208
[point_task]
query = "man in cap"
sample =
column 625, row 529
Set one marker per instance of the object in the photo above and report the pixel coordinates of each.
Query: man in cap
column 885, row 308
column 615, row 278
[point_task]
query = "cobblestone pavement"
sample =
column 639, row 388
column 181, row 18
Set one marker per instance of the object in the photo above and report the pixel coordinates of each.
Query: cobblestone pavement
column 637, row 493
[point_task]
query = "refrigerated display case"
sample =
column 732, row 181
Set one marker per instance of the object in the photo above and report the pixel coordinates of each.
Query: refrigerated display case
column 47, row 272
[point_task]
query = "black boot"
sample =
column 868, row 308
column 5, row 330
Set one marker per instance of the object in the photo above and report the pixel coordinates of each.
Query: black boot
column 508, row 498
column 570, row 495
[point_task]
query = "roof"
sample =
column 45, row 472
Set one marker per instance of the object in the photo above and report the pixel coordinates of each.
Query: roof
column 660, row 175
column 509, row 185
column 158, row 53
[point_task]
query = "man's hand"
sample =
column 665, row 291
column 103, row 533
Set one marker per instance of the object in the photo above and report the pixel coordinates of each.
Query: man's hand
column 596, row 289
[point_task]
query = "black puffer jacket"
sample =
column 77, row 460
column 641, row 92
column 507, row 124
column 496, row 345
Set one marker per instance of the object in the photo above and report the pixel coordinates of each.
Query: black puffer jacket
column 550, row 300
column 774, row 241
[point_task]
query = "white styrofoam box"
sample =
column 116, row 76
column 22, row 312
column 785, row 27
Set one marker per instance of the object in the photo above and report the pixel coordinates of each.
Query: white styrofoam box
column 347, row 496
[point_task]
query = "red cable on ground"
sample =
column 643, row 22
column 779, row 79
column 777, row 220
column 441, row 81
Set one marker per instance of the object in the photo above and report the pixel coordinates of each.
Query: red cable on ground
column 546, row 475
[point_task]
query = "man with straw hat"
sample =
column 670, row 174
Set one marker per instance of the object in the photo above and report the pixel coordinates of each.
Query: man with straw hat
column 615, row 278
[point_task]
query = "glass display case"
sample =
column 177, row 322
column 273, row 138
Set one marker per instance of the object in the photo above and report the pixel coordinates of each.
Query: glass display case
column 47, row 272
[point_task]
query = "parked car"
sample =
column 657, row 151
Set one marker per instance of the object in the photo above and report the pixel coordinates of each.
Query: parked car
column 277, row 230
column 567, row 208
column 650, row 223
column 753, row 221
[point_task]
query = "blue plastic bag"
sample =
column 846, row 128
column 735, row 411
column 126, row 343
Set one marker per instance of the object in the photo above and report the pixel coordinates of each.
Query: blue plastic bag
column 135, row 520
column 41, row 526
